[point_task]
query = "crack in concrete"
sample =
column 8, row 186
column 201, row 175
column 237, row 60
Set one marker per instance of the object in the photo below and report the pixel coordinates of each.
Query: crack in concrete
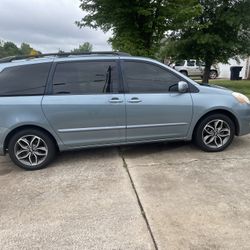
column 184, row 162
column 138, row 198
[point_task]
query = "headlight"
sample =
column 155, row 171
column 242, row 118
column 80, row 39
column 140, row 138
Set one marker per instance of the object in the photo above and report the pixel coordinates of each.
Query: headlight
column 241, row 98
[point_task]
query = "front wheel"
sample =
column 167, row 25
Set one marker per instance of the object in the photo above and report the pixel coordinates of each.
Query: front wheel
column 214, row 133
column 31, row 149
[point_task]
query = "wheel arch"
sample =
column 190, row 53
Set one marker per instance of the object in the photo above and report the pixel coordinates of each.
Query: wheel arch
column 214, row 70
column 184, row 70
column 219, row 111
column 17, row 129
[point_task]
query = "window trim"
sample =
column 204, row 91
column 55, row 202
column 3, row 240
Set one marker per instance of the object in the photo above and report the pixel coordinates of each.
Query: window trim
column 126, row 88
column 53, row 70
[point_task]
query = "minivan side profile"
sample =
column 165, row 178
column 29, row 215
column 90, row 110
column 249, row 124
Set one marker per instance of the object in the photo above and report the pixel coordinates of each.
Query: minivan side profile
column 59, row 102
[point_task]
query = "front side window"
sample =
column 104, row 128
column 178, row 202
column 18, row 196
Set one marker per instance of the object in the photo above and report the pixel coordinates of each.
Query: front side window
column 88, row 77
column 143, row 77
column 24, row 80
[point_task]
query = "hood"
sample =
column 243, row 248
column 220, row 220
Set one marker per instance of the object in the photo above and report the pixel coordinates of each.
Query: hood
column 214, row 89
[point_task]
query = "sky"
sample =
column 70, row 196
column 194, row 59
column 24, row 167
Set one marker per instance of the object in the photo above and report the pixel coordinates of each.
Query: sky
column 47, row 25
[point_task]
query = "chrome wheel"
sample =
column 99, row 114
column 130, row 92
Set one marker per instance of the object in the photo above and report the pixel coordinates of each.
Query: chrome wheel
column 31, row 150
column 216, row 133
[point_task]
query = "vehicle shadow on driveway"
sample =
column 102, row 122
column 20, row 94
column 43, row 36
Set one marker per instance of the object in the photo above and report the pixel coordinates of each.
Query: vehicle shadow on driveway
column 90, row 155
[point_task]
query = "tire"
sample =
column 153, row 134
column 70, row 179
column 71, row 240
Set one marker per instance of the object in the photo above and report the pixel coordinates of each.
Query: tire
column 213, row 74
column 31, row 149
column 214, row 133
column 185, row 73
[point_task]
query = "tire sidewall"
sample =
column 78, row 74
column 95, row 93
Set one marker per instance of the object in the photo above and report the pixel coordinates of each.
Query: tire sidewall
column 43, row 135
column 213, row 71
column 198, row 133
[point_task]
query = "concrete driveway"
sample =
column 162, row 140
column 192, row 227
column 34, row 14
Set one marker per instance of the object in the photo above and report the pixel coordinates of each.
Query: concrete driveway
column 156, row 196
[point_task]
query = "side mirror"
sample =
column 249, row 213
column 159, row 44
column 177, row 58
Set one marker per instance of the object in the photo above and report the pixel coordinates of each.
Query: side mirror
column 182, row 87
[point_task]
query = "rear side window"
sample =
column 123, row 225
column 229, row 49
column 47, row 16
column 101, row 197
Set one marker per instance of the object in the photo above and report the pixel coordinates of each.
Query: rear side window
column 88, row 77
column 191, row 63
column 24, row 80
column 180, row 63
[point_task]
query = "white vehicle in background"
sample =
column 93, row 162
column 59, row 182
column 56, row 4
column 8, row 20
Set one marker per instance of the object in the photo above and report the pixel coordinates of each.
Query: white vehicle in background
column 193, row 67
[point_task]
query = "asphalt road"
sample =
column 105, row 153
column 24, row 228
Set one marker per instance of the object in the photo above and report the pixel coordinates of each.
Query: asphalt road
column 155, row 196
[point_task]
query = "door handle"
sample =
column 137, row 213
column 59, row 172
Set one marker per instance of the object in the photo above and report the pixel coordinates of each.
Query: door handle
column 115, row 100
column 134, row 100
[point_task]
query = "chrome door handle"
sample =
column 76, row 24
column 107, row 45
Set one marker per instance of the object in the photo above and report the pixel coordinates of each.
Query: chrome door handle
column 134, row 100
column 115, row 100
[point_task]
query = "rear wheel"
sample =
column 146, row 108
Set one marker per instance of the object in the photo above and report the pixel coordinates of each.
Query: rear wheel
column 213, row 74
column 31, row 149
column 214, row 133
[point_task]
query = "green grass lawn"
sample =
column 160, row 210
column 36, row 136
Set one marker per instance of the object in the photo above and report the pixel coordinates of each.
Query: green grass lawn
column 242, row 86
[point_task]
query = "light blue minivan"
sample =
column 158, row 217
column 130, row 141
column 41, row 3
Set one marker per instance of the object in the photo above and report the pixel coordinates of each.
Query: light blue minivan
column 57, row 102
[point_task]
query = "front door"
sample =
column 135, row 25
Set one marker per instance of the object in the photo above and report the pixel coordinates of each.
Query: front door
column 154, row 107
column 85, row 107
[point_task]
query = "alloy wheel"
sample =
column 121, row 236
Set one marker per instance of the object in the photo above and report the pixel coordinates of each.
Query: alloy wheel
column 216, row 133
column 31, row 150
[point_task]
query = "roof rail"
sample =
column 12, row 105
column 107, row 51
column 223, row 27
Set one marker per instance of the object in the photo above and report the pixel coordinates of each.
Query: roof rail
column 21, row 57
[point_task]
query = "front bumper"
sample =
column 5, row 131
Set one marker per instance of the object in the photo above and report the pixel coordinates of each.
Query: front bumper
column 243, row 115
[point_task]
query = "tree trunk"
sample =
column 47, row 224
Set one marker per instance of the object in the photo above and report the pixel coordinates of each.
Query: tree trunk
column 205, row 78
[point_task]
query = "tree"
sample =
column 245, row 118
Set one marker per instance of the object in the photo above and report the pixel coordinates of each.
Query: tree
column 61, row 51
column 167, row 50
column 8, row 49
column 222, row 31
column 11, row 49
column 1, row 49
column 138, row 26
column 34, row 52
column 85, row 47
column 25, row 49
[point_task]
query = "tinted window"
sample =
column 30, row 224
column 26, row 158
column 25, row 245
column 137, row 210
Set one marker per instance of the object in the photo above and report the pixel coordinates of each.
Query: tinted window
column 180, row 63
column 199, row 63
column 85, row 78
column 191, row 63
column 149, row 78
column 24, row 80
